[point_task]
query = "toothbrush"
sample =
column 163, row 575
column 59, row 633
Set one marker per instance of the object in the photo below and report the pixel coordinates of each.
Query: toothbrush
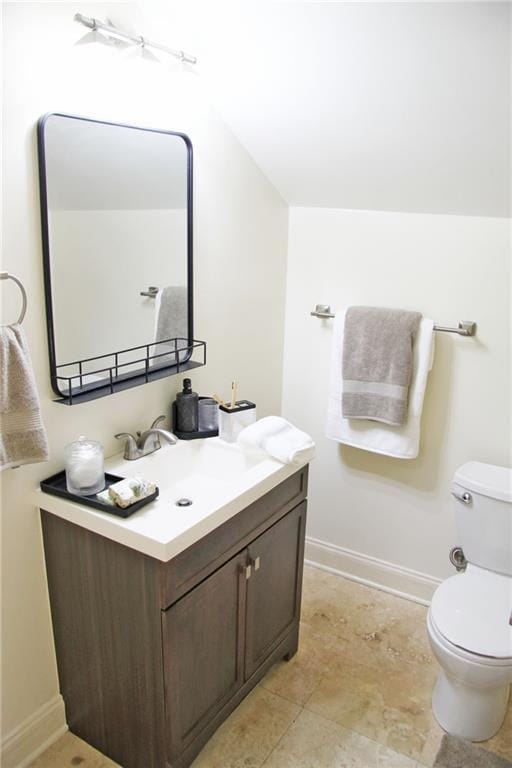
column 233, row 394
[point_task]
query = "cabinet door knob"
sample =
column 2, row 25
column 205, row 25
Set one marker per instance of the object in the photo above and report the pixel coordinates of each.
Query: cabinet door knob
column 256, row 563
column 247, row 569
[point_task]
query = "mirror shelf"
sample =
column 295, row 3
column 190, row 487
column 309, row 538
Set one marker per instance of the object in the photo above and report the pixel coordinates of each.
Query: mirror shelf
column 92, row 378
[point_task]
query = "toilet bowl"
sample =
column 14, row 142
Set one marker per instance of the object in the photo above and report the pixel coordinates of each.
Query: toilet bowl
column 469, row 620
column 469, row 633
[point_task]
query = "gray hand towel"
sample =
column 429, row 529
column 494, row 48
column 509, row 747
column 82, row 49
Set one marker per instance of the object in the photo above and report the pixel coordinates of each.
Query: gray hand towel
column 22, row 434
column 171, row 310
column 377, row 363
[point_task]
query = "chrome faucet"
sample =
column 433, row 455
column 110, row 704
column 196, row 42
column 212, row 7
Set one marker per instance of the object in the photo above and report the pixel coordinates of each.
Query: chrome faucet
column 146, row 442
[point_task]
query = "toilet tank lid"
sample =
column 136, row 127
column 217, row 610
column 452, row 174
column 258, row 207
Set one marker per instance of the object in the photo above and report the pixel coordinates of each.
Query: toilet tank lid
column 486, row 479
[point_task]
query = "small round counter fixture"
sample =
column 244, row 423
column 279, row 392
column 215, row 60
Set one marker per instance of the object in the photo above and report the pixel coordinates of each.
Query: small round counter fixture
column 469, row 622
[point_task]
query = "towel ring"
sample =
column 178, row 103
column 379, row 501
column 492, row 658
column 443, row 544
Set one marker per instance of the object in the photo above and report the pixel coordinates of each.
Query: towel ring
column 8, row 276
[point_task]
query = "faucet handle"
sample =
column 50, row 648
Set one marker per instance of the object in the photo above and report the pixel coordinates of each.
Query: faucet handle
column 157, row 421
column 130, row 448
column 120, row 435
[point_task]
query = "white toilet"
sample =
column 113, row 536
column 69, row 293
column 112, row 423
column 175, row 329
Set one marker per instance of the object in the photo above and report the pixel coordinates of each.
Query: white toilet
column 469, row 620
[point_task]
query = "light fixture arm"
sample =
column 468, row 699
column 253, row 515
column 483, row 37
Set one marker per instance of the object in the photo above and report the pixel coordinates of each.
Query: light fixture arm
column 110, row 29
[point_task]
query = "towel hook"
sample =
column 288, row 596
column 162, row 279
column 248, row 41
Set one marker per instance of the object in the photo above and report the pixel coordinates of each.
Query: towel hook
column 8, row 276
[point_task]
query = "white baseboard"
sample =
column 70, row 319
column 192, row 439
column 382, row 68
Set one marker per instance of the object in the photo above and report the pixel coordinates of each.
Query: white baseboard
column 371, row 571
column 22, row 745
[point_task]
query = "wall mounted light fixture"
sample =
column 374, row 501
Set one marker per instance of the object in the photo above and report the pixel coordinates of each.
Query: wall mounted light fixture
column 113, row 35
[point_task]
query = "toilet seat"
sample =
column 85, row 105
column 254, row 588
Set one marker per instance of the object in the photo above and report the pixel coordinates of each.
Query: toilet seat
column 468, row 657
column 471, row 610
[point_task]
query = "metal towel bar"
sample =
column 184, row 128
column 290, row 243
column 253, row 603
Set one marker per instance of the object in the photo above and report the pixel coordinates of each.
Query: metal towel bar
column 464, row 328
column 8, row 276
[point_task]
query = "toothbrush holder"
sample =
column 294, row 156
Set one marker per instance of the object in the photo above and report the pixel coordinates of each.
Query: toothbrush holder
column 233, row 420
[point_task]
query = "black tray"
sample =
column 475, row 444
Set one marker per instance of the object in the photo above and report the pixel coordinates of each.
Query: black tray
column 191, row 435
column 56, row 486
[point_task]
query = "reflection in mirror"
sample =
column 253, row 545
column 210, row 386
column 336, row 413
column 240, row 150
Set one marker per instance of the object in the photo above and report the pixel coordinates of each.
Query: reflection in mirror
column 116, row 212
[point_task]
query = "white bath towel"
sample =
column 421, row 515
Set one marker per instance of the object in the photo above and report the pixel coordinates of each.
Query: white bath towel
column 280, row 439
column 171, row 322
column 401, row 442
column 22, row 434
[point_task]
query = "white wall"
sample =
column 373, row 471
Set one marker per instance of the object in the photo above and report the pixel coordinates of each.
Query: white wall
column 240, row 239
column 448, row 268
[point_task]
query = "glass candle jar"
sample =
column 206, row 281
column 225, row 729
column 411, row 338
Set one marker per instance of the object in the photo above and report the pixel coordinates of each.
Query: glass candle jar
column 85, row 473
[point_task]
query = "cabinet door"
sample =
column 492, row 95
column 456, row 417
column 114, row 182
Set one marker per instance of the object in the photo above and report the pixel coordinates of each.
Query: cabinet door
column 274, row 587
column 203, row 651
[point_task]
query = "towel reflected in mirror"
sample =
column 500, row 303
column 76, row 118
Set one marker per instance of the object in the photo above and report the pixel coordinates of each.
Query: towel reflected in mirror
column 171, row 322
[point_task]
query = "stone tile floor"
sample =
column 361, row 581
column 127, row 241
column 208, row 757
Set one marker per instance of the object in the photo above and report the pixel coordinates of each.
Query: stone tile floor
column 356, row 695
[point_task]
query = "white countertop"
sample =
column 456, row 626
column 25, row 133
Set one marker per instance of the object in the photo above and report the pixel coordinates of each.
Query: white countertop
column 220, row 479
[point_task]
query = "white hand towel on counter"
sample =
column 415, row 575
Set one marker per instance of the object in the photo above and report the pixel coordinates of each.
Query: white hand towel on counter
column 280, row 439
column 22, row 434
column 400, row 442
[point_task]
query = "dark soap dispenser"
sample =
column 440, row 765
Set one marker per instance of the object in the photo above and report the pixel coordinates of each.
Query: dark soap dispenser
column 186, row 408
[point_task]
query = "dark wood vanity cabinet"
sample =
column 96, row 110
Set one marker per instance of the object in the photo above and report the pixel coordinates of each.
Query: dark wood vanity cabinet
column 153, row 656
column 272, row 607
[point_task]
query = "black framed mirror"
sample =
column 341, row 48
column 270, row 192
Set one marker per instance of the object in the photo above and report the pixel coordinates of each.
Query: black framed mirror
column 116, row 213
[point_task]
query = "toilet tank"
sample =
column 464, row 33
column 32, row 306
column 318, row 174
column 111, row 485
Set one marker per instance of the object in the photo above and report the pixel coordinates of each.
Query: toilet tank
column 483, row 513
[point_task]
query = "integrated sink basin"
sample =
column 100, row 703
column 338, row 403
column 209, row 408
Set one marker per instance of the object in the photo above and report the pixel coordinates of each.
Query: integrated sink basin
column 208, row 461
column 218, row 478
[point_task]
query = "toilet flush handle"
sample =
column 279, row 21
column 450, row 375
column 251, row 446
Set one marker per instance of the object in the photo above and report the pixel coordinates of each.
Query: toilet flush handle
column 465, row 497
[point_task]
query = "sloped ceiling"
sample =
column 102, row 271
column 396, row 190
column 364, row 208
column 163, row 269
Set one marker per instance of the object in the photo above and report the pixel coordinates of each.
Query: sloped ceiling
column 384, row 106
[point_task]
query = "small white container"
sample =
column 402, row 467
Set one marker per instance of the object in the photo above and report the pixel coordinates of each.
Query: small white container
column 85, row 472
column 233, row 420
